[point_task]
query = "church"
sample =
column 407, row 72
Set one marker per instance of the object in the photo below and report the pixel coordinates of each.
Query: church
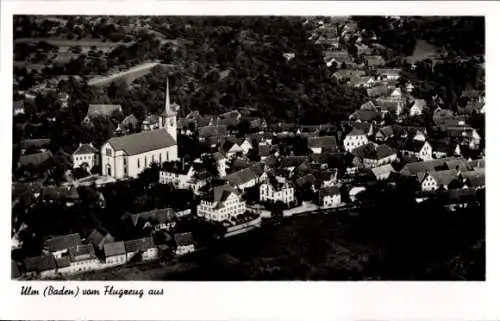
column 127, row 156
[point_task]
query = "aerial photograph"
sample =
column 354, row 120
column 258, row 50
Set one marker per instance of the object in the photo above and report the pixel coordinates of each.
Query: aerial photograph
column 248, row 148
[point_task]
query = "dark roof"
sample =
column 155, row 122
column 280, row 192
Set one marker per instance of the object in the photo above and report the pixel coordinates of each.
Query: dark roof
column 328, row 191
column 368, row 106
column 162, row 215
column 183, row 239
column 35, row 159
column 220, row 193
column 82, row 252
column 366, row 115
column 85, row 149
column 411, row 145
column 241, row 176
column 475, row 178
column 292, row 161
column 60, row 193
column 143, row 142
column 38, row 143
column 427, row 166
column 40, row 263
column 217, row 130
column 380, row 152
column 356, row 132
column 322, row 142
column 63, row 242
column 444, row 177
column 377, row 91
column 139, row 244
column 115, row 248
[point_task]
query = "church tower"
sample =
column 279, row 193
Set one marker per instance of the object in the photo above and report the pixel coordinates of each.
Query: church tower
column 169, row 116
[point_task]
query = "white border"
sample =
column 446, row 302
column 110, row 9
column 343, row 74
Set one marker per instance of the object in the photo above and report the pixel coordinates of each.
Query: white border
column 259, row 300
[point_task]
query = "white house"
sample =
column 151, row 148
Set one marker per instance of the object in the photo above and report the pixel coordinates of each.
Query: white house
column 417, row 107
column 441, row 179
column 245, row 146
column 184, row 243
column 83, row 258
column 276, row 189
column 417, row 148
column 355, row 139
column 223, row 203
column 245, row 178
column 329, row 197
column 85, row 155
column 129, row 155
column 145, row 248
column 115, row 253
column 177, row 173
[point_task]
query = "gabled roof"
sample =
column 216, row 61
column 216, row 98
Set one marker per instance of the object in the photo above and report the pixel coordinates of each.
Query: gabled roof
column 40, row 263
column 85, row 149
column 143, row 142
column 82, row 252
column 115, row 248
column 162, row 215
column 443, row 178
column 322, row 142
column 241, row 177
column 329, row 191
column 356, row 132
column 63, row 242
column 37, row 143
column 139, row 245
column 98, row 236
column 36, row 159
column 427, row 166
column 413, row 145
column 475, row 178
column 380, row 152
column 377, row 91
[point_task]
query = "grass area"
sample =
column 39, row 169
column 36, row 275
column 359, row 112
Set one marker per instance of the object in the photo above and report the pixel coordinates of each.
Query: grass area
column 424, row 50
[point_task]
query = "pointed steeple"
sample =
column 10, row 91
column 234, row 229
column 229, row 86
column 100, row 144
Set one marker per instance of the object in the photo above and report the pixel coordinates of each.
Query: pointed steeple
column 168, row 107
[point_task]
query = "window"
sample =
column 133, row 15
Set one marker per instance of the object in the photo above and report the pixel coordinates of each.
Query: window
column 160, row 158
column 145, row 161
column 138, row 163
column 108, row 151
column 167, row 157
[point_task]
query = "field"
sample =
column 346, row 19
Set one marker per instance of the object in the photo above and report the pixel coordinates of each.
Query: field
column 424, row 50
column 128, row 75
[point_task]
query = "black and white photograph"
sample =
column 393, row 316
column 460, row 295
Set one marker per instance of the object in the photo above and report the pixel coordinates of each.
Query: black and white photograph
column 248, row 148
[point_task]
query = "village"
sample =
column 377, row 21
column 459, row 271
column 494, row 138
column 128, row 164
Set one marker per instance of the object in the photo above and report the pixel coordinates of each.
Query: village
column 248, row 170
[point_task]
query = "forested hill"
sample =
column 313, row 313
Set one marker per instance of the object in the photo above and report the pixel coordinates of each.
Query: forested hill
column 235, row 62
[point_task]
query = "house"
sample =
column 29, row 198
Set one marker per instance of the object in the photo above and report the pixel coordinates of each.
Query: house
column 390, row 105
column 382, row 172
column 467, row 136
column 98, row 237
column 60, row 245
column 371, row 155
column 411, row 147
column 363, row 115
column 475, row 179
column 353, row 193
column 355, row 139
column 444, row 148
column 377, row 91
column 417, row 107
column 338, row 57
column 18, row 107
column 218, row 131
column 389, row 73
column 105, row 110
column 244, row 178
column 43, row 265
column 35, row 160
column 38, row 144
column 440, row 179
column 276, row 189
column 127, row 125
column 85, row 156
column 220, row 204
column 115, row 253
column 231, row 148
column 83, row 258
column 177, row 173
column 128, row 155
column 291, row 162
column 374, row 61
column 322, row 144
column 144, row 247
column 184, row 243
column 266, row 150
column 151, row 122
column 220, row 160
column 158, row 219
column 413, row 169
column 329, row 197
